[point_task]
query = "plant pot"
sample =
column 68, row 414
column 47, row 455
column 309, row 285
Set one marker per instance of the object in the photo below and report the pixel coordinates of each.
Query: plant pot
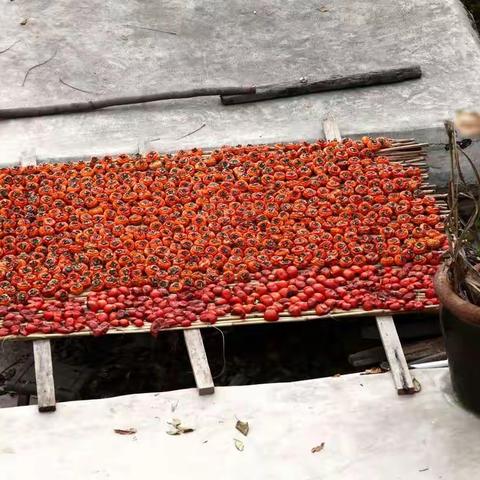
column 460, row 322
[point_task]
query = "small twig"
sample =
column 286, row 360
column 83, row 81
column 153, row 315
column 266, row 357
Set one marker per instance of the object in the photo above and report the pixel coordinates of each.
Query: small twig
column 191, row 133
column 36, row 66
column 74, row 88
column 8, row 48
column 151, row 29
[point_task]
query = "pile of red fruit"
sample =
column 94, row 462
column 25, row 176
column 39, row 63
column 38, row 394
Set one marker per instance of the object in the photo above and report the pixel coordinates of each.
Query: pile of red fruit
column 175, row 239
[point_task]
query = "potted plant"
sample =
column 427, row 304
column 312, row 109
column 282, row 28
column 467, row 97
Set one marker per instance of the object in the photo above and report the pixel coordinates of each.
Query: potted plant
column 457, row 282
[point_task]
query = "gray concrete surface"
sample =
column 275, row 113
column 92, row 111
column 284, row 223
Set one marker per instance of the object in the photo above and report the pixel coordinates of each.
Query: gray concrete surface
column 368, row 431
column 102, row 48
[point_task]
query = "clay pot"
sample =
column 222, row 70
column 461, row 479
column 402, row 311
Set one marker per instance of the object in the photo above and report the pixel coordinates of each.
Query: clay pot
column 460, row 322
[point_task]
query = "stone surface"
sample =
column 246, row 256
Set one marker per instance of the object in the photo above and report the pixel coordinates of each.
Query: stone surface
column 368, row 431
column 112, row 48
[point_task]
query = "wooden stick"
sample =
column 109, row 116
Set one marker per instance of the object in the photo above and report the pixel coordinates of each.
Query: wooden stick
column 42, row 355
column 199, row 362
column 413, row 146
column 290, row 89
column 90, row 106
column 395, row 356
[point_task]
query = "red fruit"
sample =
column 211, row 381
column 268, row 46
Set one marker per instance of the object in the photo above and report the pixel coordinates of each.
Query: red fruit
column 101, row 304
column 430, row 293
column 267, row 300
column 348, row 274
column 138, row 323
column 102, row 329
column 113, row 292
column 123, row 322
column 292, row 271
column 322, row 309
column 238, row 310
column 281, row 274
column 270, row 315
column 208, row 317
column 47, row 315
column 294, row 310
column 272, row 286
column 109, row 308
column 227, row 294
column 102, row 317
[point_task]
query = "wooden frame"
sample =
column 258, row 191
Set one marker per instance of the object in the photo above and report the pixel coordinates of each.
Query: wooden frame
column 192, row 334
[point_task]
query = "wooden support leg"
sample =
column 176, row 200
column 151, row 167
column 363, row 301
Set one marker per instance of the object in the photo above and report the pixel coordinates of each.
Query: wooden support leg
column 23, row 399
column 199, row 362
column 42, row 355
column 395, row 356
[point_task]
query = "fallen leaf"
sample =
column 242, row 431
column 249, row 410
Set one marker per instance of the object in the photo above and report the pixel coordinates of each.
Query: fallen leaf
column 417, row 385
column 318, row 448
column 177, row 429
column 323, row 9
column 24, row 21
column 242, row 427
column 185, row 429
column 239, row 445
column 127, row 431
column 372, row 371
column 175, row 422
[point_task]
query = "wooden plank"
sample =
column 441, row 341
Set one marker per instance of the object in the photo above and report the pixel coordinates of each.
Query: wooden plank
column 199, row 362
column 330, row 128
column 42, row 355
column 396, row 358
column 228, row 321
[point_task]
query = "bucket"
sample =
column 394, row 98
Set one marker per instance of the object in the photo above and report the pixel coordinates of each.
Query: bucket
column 460, row 322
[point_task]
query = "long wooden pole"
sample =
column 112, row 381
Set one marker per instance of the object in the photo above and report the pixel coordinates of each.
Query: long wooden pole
column 378, row 77
column 91, row 105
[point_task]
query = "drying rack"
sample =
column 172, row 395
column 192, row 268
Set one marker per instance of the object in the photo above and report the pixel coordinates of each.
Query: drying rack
column 402, row 379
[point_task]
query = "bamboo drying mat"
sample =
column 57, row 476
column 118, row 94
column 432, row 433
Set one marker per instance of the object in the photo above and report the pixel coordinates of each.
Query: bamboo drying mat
column 404, row 151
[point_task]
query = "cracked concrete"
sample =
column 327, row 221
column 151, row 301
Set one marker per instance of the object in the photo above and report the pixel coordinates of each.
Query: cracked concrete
column 114, row 48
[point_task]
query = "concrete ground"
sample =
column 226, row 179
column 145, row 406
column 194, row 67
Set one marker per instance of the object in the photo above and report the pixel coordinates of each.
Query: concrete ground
column 368, row 432
column 113, row 48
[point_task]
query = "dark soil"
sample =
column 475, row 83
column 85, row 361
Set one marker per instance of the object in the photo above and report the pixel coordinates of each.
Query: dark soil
column 124, row 364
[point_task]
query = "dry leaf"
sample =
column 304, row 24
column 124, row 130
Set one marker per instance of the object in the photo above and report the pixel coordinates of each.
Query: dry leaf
column 318, row 448
column 417, row 385
column 372, row 371
column 24, row 21
column 323, row 9
column 175, row 422
column 185, row 429
column 127, row 431
column 239, row 445
column 177, row 429
column 242, row 427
